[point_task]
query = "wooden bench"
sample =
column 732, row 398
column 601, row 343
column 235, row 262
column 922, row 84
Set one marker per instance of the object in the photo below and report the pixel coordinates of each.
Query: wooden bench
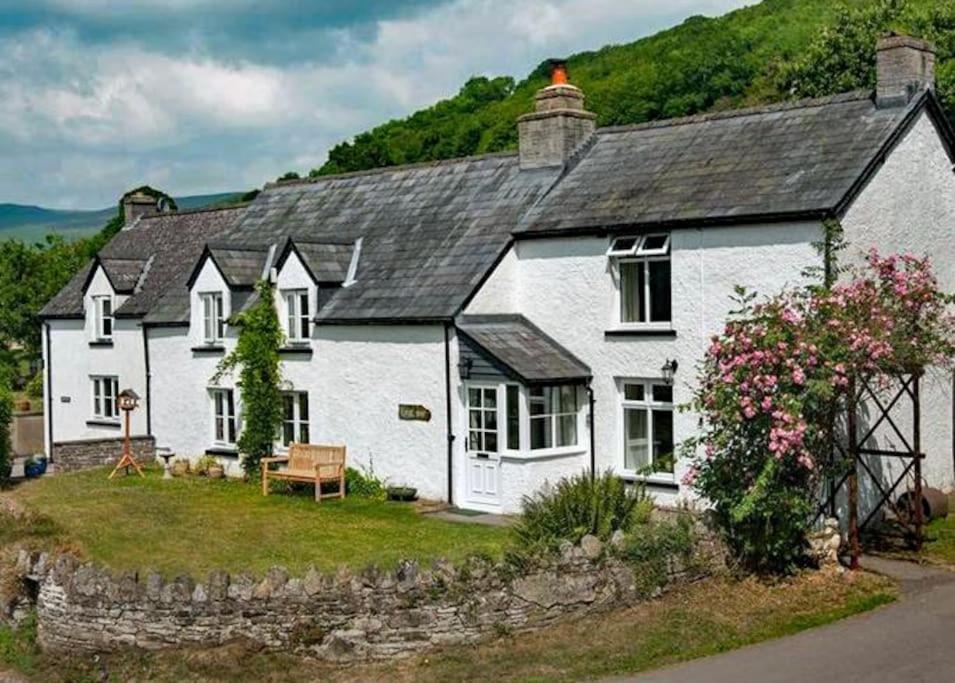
column 311, row 464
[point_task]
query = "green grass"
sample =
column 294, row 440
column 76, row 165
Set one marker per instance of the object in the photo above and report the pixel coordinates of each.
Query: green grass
column 940, row 537
column 194, row 525
column 698, row 620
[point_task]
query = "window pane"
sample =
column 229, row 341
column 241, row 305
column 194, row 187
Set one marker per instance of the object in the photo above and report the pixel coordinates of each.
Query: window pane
column 622, row 244
column 220, row 317
column 631, row 292
column 303, row 406
column 97, row 405
column 538, row 406
column 653, row 242
column 663, row 393
column 304, row 435
column 663, row 440
column 288, row 407
column 659, row 291
column 490, row 419
column 303, row 312
column 490, row 398
column 512, row 408
column 288, row 433
column 567, row 430
column 107, row 307
column 636, row 454
column 541, row 432
column 474, row 420
column 490, row 442
column 567, row 399
column 633, row 392
column 474, row 441
column 474, row 398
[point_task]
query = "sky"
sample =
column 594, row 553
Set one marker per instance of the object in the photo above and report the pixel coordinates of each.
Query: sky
column 202, row 96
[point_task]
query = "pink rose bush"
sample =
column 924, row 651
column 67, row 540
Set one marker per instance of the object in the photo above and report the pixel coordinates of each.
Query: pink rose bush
column 773, row 381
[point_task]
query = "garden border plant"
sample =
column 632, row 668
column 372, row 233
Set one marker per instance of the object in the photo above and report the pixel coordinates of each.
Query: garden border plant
column 773, row 382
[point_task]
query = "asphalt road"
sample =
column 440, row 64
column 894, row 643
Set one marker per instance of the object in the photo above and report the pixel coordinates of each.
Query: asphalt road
column 910, row 640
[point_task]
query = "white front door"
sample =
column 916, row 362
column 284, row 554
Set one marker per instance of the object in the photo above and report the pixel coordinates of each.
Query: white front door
column 484, row 463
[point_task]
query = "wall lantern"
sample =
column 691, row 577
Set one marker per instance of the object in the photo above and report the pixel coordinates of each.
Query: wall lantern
column 669, row 370
column 464, row 368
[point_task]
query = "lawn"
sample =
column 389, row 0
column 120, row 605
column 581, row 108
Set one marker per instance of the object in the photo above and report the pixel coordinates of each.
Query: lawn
column 940, row 540
column 194, row 525
column 693, row 621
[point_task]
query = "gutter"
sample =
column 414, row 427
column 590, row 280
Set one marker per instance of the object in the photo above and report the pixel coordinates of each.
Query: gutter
column 447, row 400
column 49, row 389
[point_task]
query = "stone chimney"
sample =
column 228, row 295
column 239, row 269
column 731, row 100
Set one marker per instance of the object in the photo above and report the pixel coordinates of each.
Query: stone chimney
column 558, row 124
column 905, row 66
column 139, row 204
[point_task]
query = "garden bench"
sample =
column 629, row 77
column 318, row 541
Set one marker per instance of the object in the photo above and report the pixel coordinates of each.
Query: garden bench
column 311, row 464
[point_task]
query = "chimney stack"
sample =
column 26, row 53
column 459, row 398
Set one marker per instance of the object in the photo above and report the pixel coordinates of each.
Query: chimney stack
column 139, row 204
column 558, row 124
column 905, row 66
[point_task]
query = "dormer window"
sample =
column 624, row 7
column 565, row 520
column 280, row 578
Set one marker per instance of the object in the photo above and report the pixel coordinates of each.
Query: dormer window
column 643, row 266
column 103, row 316
column 297, row 309
column 213, row 317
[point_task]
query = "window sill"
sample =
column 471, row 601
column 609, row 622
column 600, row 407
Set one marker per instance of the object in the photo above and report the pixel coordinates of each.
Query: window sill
column 223, row 451
column 101, row 343
column 301, row 349
column 641, row 332
column 209, row 348
column 104, row 423
column 543, row 454
column 657, row 481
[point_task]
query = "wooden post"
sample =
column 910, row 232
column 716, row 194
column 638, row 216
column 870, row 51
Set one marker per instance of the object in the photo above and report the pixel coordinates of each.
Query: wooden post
column 917, row 447
column 853, row 479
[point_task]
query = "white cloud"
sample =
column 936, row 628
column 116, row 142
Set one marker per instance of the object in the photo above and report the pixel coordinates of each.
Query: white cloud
column 89, row 121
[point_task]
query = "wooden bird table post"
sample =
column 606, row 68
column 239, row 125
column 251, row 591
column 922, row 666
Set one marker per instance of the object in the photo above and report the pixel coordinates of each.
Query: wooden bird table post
column 128, row 401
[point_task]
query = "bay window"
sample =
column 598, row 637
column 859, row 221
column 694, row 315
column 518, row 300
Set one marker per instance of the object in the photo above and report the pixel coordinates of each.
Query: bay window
column 553, row 416
column 644, row 274
column 648, row 427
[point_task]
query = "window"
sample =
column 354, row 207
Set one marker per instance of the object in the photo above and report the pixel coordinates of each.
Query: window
column 644, row 271
column 553, row 417
column 103, row 315
column 648, row 427
column 295, row 418
column 224, row 423
column 213, row 317
column 296, row 305
column 512, row 411
column 482, row 419
column 105, row 390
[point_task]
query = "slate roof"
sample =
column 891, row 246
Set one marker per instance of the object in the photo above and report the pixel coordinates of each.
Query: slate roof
column 429, row 232
column 241, row 268
column 327, row 262
column 172, row 243
column 794, row 158
column 123, row 273
column 530, row 355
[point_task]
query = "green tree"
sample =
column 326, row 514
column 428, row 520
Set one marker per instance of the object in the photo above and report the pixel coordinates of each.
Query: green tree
column 6, row 416
column 256, row 356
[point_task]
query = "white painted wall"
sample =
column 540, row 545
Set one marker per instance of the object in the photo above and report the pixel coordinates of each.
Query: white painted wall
column 74, row 361
column 909, row 206
column 567, row 288
column 293, row 276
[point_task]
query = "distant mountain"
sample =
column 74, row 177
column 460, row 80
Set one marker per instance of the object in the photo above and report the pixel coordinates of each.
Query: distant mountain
column 31, row 223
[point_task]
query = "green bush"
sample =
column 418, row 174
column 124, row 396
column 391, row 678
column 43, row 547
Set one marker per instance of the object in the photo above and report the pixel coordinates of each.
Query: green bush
column 363, row 484
column 577, row 506
column 6, row 448
column 34, row 387
column 650, row 548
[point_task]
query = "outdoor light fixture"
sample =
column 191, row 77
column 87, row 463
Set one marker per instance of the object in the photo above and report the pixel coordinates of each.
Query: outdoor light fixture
column 464, row 367
column 669, row 370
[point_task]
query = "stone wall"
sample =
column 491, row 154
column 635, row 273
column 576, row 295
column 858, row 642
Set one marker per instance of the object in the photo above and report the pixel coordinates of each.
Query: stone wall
column 70, row 456
column 342, row 617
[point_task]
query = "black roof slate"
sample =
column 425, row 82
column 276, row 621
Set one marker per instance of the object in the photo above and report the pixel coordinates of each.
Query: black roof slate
column 530, row 355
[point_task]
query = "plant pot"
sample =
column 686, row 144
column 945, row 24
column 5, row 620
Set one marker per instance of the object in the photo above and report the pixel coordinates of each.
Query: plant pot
column 32, row 470
column 402, row 493
column 23, row 405
column 42, row 463
column 180, row 469
column 215, row 472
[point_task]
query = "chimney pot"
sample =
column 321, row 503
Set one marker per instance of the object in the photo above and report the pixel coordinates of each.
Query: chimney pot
column 905, row 66
column 558, row 125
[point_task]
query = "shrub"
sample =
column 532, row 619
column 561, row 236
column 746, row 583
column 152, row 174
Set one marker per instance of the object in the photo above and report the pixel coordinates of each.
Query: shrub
column 6, row 448
column 653, row 547
column 34, row 387
column 577, row 506
column 363, row 484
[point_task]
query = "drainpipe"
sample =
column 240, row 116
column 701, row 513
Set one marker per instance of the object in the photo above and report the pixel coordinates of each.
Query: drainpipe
column 149, row 402
column 49, row 390
column 593, row 429
column 447, row 400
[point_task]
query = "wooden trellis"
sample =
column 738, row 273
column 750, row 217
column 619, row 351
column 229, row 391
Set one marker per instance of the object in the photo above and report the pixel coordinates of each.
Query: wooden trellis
column 855, row 457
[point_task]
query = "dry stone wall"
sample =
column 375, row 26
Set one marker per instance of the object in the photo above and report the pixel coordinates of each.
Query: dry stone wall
column 342, row 617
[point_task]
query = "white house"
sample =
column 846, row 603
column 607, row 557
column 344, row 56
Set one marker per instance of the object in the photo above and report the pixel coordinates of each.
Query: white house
column 478, row 326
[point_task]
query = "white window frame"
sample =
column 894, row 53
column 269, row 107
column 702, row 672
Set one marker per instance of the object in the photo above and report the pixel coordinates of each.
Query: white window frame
column 648, row 405
column 298, row 420
column 212, row 305
column 640, row 253
column 228, row 414
column 104, row 390
column 553, row 417
column 100, row 317
column 297, row 318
